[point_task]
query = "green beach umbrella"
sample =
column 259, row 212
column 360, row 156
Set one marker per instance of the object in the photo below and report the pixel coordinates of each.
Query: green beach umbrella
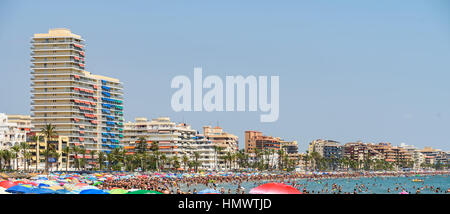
column 118, row 191
column 144, row 192
column 97, row 183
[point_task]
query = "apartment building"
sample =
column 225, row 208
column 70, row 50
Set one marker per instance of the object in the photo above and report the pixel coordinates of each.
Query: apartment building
column 12, row 132
column 85, row 108
column 255, row 140
column 326, row 148
column 173, row 140
column 23, row 121
column 434, row 156
column 228, row 143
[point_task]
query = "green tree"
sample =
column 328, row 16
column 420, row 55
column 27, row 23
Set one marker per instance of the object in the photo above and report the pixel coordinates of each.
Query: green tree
column 83, row 161
column 16, row 153
column 92, row 153
column 49, row 133
column 24, row 148
column 196, row 157
column 101, row 159
column 185, row 160
column 76, row 151
column 141, row 145
column 66, row 152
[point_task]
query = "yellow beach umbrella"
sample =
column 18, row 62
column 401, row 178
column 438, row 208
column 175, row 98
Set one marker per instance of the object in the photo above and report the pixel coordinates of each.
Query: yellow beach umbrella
column 55, row 187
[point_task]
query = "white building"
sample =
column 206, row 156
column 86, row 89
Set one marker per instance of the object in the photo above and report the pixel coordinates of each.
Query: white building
column 174, row 140
column 10, row 133
column 417, row 156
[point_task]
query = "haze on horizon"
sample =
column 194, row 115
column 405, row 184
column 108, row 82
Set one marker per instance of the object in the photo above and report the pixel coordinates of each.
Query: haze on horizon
column 375, row 71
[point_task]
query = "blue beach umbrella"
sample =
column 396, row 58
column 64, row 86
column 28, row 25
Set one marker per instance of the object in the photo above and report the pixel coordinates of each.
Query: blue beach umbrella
column 93, row 191
column 42, row 191
column 62, row 191
column 43, row 185
column 18, row 189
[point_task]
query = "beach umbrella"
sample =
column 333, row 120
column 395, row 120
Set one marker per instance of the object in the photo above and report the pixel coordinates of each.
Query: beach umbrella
column 97, row 183
column 118, row 191
column 86, row 187
column 62, row 191
column 19, row 189
column 54, row 188
column 144, row 192
column 209, row 191
column 275, row 188
column 7, row 184
column 43, row 185
column 22, row 182
column 50, row 183
column 93, row 191
column 41, row 191
column 69, row 187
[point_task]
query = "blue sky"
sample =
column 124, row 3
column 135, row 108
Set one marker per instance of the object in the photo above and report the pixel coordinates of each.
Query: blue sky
column 375, row 71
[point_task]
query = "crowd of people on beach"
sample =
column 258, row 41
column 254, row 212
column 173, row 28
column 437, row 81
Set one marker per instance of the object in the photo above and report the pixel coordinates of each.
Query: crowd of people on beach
column 189, row 185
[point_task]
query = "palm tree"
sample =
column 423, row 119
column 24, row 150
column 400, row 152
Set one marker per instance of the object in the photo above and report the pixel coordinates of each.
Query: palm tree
column 9, row 156
column 66, row 151
column 157, row 155
column 27, row 156
column 218, row 150
column 306, row 159
column 92, row 153
column 2, row 155
column 144, row 159
column 110, row 159
column 101, row 156
column 228, row 158
column 316, row 158
column 163, row 161
column 76, row 151
column 141, row 145
column 83, row 152
column 16, row 149
column 185, row 161
column 281, row 154
column 129, row 166
column 24, row 147
column 49, row 133
column 175, row 162
column 241, row 157
column 196, row 157
column 54, row 154
column 155, row 150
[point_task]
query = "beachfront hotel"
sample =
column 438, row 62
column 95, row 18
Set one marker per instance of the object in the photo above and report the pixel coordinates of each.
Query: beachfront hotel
column 173, row 139
column 85, row 108
column 227, row 142
column 269, row 147
column 326, row 148
column 255, row 140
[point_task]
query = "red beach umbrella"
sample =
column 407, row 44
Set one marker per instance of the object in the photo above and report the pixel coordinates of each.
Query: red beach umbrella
column 7, row 184
column 275, row 188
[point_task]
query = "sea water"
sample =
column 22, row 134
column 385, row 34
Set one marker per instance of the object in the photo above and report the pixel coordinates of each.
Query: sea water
column 376, row 185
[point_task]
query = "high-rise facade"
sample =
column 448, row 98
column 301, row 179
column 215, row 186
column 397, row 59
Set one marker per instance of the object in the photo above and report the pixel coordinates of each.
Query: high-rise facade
column 86, row 108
